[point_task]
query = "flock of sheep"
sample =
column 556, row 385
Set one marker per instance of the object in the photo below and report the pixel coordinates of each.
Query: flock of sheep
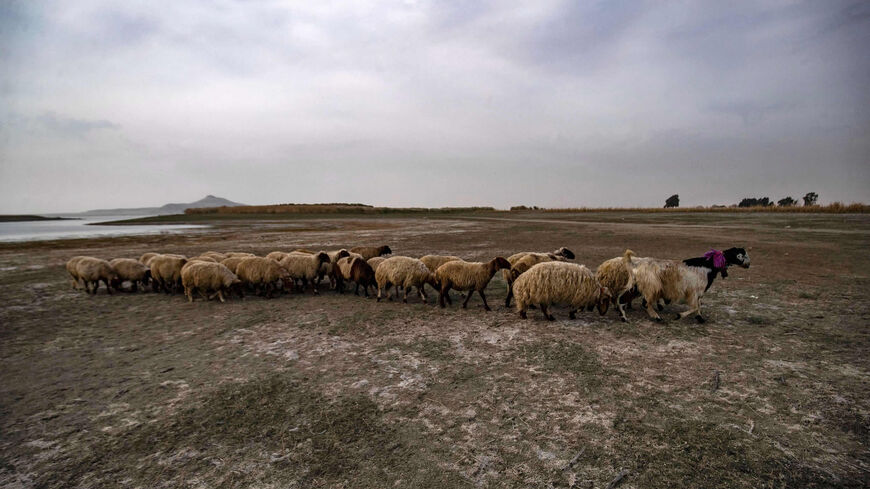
column 533, row 278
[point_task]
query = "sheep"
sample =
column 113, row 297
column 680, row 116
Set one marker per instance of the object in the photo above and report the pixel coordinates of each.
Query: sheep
column 207, row 277
column 561, row 254
column 233, row 262
column 435, row 261
column 203, row 258
column 525, row 262
column 242, row 254
column 685, row 281
column 357, row 270
column 617, row 274
column 468, row 276
column 557, row 282
column 71, row 269
column 216, row 256
column 371, row 251
column 93, row 270
column 166, row 272
column 375, row 261
column 327, row 267
column 405, row 272
column 305, row 267
column 262, row 272
column 131, row 270
column 277, row 255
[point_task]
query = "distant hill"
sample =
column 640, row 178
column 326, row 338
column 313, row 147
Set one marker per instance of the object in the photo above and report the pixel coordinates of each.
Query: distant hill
column 207, row 201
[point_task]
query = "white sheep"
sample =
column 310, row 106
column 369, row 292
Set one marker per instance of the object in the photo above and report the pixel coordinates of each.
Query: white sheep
column 685, row 281
column 467, row 276
column 617, row 274
column 304, row 268
column 561, row 254
column 207, row 277
column 71, row 269
column 131, row 270
column 166, row 272
column 93, row 271
column 262, row 274
column 405, row 272
column 558, row 282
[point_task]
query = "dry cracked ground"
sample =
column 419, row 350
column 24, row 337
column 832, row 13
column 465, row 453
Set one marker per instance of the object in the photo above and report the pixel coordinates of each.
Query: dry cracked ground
column 146, row 390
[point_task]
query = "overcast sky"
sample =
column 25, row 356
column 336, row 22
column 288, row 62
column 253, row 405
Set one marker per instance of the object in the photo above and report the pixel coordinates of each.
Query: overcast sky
column 431, row 103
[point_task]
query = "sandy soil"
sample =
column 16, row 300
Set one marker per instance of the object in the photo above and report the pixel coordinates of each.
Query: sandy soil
column 146, row 390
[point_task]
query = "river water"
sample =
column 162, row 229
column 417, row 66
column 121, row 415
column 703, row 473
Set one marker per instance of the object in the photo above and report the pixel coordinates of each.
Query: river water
column 82, row 228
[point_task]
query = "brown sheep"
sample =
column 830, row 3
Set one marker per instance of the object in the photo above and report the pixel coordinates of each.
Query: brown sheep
column 371, row 251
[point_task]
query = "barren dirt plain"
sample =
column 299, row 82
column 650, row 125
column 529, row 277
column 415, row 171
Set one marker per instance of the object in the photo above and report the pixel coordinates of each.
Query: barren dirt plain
column 146, row 390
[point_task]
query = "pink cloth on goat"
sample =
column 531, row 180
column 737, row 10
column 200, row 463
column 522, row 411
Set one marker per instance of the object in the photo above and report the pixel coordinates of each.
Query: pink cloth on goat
column 717, row 257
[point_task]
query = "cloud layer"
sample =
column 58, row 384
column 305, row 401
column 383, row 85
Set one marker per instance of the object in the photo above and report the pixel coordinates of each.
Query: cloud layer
column 431, row 103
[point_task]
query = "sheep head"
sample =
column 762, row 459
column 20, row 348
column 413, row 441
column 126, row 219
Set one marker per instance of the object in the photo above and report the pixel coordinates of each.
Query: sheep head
column 499, row 263
column 564, row 252
column 384, row 250
column 322, row 257
column 341, row 254
column 737, row 256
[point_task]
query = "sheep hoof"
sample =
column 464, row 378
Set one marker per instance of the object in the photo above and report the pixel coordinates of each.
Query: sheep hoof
column 486, row 308
column 658, row 320
column 572, row 315
column 523, row 315
column 624, row 320
column 660, row 307
column 550, row 318
column 700, row 319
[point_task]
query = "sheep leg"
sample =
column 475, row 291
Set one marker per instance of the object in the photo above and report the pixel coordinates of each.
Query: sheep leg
column 445, row 291
column 546, row 312
column 694, row 308
column 188, row 293
column 467, row 298
column 482, row 296
column 135, row 287
column 510, row 295
column 108, row 287
column 356, row 289
column 220, row 295
column 650, row 309
column 621, row 308
column 422, row 293
column 572, row 314
column 523, row 312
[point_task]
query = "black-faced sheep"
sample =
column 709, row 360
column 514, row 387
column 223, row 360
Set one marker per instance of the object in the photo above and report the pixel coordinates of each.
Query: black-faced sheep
column 558, row 282
column 132, row 271
column 467, row 276
column 685, row 281
column 405, row 272
column 305, row 268
column 206, row 277
column 371, row 251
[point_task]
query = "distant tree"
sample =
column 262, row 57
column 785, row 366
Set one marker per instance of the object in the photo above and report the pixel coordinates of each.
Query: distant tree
column 811, row 198
column 787, row 202
column 755, row 202
column 673, row 201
